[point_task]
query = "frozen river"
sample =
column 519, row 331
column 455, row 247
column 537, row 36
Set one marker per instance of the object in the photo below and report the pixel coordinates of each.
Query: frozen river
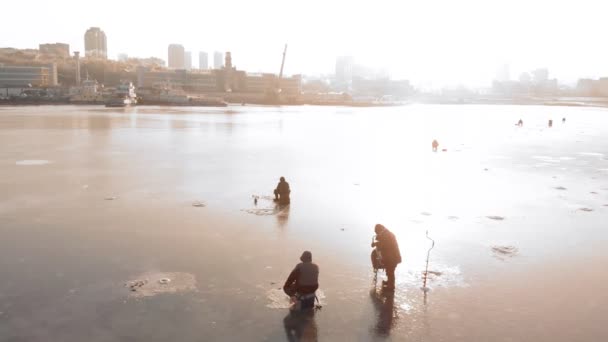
column 94, row 200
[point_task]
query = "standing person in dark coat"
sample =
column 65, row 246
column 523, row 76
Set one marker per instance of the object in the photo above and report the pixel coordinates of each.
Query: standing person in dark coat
column 386, row 243
column 281, row 193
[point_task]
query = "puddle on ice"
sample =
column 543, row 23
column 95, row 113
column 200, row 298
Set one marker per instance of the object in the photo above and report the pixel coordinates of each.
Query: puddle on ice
column 110, row 198
column 278, row 210
column 453, row 218
column 560, row 188
column 277, row 299
column 29, row 162
column 155, row 283
column 585, row 209
column 503, row 252
column 199, row 204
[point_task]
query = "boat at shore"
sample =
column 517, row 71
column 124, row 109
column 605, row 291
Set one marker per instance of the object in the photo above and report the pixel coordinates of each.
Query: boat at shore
column 90, row 92
column 123, row 96
column 167, row 95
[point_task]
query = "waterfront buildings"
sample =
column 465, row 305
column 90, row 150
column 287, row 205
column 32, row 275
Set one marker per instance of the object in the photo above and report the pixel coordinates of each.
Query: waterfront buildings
column 95, row 43
column 59, row 50
column 203, row 60
column 28, row 76
column 176, row 56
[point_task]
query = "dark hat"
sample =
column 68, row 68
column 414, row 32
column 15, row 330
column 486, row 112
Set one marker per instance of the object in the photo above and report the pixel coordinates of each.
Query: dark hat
column 306, row 256
column 379, row 228
column 282, row 179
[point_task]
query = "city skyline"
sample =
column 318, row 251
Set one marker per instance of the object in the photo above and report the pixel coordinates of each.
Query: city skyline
column 443, row 43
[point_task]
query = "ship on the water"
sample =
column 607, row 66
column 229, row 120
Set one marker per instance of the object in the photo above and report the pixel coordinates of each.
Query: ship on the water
column 90, row 92
column 168, row 95
column 123, row 96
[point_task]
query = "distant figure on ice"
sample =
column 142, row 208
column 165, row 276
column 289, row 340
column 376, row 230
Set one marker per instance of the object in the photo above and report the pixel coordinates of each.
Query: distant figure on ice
column 435, row 145
column 550, row 123
column 563, row 120
column 302, row 283
column 520, row 123
column 387, row 245
column 281, row 193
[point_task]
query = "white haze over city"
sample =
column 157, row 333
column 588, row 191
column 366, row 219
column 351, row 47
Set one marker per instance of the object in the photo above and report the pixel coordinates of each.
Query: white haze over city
column 431, row 43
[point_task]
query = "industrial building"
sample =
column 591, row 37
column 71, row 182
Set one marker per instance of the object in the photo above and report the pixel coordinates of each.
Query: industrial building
column 28, row 76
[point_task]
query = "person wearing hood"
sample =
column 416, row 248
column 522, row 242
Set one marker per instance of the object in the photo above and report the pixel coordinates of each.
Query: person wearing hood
column 386, row 243
column 303, row 281
column 281, row 193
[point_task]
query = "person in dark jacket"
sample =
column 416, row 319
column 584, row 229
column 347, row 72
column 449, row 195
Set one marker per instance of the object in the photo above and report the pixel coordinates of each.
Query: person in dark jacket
column 386, row 243
column 281, row 193
column 303, row 281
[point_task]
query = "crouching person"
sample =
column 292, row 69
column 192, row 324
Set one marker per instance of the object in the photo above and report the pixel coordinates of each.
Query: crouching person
column 302, row 283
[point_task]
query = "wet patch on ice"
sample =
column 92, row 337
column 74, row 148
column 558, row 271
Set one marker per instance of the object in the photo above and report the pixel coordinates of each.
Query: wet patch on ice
column 424, row 213
column 277, row 299
column 263, row 211
column 155, row 283
column 438, row 276
column 278, row 210
column 110, row 198
column 585, row 209
column 496, row 218
column 504, row 252
column 560, row 188
column 199, row 204
column 32, row 162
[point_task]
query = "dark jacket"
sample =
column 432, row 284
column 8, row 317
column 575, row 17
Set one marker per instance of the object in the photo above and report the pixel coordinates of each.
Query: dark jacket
column 283, row 189
column 304, row 278
column 387, row 245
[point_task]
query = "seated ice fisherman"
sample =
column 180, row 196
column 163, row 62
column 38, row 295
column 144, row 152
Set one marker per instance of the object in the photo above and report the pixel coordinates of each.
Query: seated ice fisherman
column 281, row 193
column 302, row 282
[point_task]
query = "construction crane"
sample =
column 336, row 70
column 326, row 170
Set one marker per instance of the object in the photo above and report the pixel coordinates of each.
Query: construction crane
column 281, row 72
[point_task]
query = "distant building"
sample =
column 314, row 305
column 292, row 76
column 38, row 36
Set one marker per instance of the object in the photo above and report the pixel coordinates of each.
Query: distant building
column 57, row 50
column 26, row 76
column 344, row 73
column 218, row 60
column 95, row 43
column 123, row 57
column 589, row 87
column 503, row 73
column 540, row 76
column 176, row 56
column 203, row 60
column 188, row 60
column 150, row 62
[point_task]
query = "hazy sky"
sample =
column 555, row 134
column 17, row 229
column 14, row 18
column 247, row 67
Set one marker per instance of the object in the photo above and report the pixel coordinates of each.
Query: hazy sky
column 431, row 42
